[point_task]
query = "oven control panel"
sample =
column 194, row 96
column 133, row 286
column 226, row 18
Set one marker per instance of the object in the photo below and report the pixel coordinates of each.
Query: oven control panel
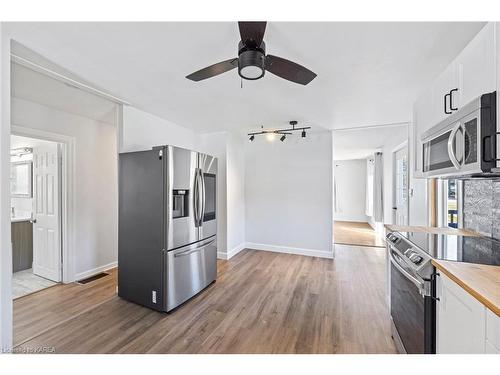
column 406, row 250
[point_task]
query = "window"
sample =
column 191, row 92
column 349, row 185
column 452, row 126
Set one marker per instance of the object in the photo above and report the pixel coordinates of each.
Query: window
column 449, row 204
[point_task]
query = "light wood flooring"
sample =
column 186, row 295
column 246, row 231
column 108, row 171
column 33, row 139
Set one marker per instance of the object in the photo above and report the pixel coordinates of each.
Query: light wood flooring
column 355, row 233
column 262, row 302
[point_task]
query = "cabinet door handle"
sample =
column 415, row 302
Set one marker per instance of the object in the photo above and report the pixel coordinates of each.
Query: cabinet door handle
column 451, row 100
column 446, row 104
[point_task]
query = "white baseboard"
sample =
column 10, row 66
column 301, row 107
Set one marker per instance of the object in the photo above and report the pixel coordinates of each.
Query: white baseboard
column 231, row 253
column 290, row 250
column 95, row 271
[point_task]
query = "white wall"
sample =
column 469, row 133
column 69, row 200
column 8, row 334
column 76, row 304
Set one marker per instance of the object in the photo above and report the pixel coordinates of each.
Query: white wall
column 235, row 159
column 96, row 186
column 141, row 131
column 350, row 189
column 215, row 144
column 288, row 196
column 418, row 214
column 5, row 244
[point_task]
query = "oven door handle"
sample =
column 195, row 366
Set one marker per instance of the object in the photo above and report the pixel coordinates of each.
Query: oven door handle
column 419, row 283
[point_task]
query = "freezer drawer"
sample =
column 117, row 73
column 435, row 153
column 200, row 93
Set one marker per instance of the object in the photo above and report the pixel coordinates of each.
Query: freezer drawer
column 189, row 270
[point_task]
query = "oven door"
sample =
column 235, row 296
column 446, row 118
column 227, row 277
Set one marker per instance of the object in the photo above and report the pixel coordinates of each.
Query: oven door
column 413, row 314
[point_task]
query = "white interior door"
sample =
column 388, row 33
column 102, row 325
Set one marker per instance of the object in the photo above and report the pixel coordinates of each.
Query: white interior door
column 400, row 189
column 46, row 209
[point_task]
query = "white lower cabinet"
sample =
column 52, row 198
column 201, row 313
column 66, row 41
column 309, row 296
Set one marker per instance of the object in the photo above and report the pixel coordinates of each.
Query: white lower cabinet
column 464, row 325
column 460, row 320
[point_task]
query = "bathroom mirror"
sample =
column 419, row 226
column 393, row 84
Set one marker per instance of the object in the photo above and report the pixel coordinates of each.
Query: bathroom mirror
column 20, row 179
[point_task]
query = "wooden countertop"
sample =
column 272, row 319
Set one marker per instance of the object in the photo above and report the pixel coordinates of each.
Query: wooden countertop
column 434, row 230
column 479, row 280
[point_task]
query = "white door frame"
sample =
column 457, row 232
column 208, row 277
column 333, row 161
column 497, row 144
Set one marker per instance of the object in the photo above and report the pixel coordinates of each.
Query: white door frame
column 67, row 194
column 394, row 151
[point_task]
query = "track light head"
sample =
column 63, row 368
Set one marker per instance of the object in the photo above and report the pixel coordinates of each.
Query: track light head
column 303, row 133
column 252, row 137
column 283, row 137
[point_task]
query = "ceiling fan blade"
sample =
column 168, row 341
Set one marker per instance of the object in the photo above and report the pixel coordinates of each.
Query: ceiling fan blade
column 213, row 70
column 252, row 32
column 289, row 70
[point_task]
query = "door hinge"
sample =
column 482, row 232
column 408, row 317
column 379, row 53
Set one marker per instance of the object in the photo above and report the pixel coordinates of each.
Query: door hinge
column 160, row 154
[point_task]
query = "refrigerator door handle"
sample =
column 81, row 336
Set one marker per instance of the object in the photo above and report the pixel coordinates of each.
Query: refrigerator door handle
column 195, row 198
column 187, row 252
column 203, row 197
column 198, row 197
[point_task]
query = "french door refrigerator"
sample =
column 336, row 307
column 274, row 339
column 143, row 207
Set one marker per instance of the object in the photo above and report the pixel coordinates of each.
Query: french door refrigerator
column 167, row 245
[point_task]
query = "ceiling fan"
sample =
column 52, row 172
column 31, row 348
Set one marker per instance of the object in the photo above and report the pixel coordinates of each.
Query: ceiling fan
column 252, row 61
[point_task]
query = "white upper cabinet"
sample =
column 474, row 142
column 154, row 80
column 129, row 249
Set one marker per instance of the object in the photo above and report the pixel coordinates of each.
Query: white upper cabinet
column 442, row 91
column 471, row 74
column 476, row 67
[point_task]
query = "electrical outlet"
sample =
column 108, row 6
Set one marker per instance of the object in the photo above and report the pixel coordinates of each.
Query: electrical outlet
column 154, row 296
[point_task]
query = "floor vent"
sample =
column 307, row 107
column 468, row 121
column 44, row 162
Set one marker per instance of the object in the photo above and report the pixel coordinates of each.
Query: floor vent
column 92, row 278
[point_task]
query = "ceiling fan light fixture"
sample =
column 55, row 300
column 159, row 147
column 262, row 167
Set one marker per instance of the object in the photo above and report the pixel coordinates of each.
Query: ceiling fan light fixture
column 303, row 133
column 283, row 137
column 251, row 64
column 252, row 137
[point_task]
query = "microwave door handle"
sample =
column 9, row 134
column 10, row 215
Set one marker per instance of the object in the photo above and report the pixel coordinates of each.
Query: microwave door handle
column 451, row 139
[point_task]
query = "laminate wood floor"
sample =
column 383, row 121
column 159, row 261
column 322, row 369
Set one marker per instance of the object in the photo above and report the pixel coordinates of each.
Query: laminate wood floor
column 356, row 233
column 262, row 302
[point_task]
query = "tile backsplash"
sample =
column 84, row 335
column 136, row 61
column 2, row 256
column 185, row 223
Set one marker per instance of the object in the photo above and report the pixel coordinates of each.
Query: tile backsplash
column 481, row 207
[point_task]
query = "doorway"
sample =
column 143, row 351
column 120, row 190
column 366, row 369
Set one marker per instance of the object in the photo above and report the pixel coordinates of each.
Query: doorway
column 400, row 185
column 36, row 214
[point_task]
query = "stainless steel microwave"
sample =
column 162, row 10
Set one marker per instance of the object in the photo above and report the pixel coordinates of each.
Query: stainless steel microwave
column 464, row 144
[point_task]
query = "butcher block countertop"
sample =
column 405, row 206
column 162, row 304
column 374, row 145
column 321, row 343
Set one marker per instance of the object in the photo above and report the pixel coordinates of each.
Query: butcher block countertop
column 435, row 230
column 479, row 280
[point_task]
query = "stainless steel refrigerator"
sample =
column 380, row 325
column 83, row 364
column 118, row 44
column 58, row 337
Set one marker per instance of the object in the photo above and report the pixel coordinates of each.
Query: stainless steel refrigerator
column 167, row 246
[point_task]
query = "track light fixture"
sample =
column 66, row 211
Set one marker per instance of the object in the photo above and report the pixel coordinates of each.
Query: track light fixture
column 283, row 132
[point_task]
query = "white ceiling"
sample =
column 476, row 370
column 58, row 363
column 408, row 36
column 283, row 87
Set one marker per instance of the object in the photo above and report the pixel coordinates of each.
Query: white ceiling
column 360, row 143
column 368, row 73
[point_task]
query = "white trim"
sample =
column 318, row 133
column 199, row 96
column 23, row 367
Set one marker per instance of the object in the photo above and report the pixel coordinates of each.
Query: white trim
column 222, row 255
column 231, row 253
column 65, row 79
column 95, row 271
column 68, row 193
column 401, row 146
column 290, row 250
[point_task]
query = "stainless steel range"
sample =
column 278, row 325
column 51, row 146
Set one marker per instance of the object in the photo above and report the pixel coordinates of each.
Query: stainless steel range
column 413, row 293
column 413, row 281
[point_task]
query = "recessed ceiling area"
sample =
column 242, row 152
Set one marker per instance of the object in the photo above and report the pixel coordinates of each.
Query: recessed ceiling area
column 36, row 87
column 368, row 73
column 359, row 144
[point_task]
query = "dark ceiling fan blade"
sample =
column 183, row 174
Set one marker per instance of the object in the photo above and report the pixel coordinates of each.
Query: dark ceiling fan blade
column 289, row 70
column 252, row 32
column 213, row 70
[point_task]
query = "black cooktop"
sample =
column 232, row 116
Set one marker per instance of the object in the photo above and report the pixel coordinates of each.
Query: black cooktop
column 467, row 249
